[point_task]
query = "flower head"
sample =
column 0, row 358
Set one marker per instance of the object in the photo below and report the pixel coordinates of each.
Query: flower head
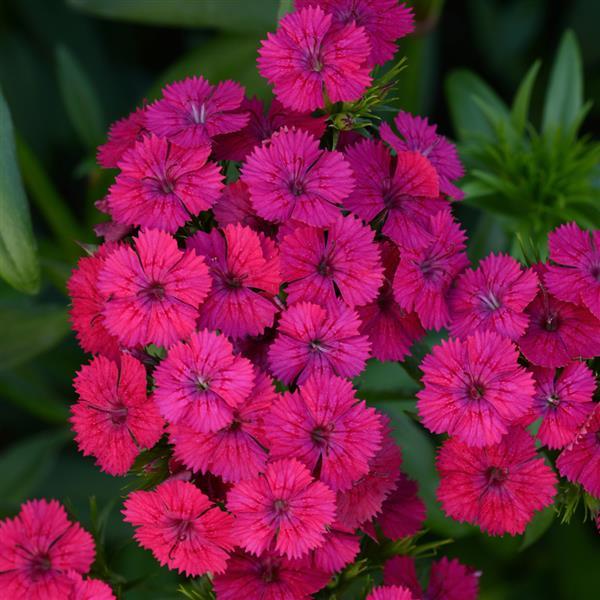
column 89, row 589
column 309, row 56
column 290, row 177
column 122, row 136
column 181, row 527
column 340, row 548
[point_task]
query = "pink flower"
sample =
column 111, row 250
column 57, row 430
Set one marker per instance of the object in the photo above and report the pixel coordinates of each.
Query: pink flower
column 114, row 418
column 384, row 21
column 244, row 267
column 162, row 186
column 564, row 401
column 580, row 462
column 236, row 146
column 474, row 389
column 390, row 592
column 152, row 290
column 201, row 383
column 290, row 177
column 340, row 548
column 192, row 112
column 310, row 57
column 427, row 270
column 417, row 135
column 268, row 577
column 181, row 527
column 235, row 452
column 498, row 487
column 575, row 276
column 317, row 263
column 89, row 589
column 448, row 579
column 283, row 509
column 402, row 190
column 122, row 136
column 87, row 305
column 492, row 298
column 38, row 550
column 312, row 339
column 327, row 428
column 390, row 329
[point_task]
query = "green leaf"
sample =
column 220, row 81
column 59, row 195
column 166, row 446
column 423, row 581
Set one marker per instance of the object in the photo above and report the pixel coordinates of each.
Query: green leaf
column 233, row 15
column 80, row 99
column 520, row 107
column 564, row 95
column 540, row 523
column 19, row 264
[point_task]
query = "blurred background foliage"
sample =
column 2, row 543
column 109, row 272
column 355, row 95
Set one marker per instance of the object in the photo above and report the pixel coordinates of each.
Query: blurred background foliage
column 70, row 67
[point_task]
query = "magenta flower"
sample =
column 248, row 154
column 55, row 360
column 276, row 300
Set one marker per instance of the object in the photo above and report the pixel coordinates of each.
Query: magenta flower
column 234, row 207
column 390, row 592
column 476, row 483
column 162, row 186
column 182, row 527
column 290, row 177
column 244, row 267
column 39, row 549
column 312, row 339
column 152, row 290
column 390, row 329
column 201, row 383
column 575, row 276
column 114, row 419
column 283, row 509
column 474, row 389
column 310, row 57
column 427, row 270
column 417, row 135
column 384, row 21
column 344, row 258
column 88, row 589
column 191, row 112
column 235, row 452
column 122, row 136
column 401, row 190
column 327, row 428
column 492, row 298
column 564, row 401
column 340, row 548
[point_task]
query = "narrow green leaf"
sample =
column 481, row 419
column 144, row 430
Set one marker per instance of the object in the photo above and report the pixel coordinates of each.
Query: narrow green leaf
column 520, row 107
column 80, row 98
column 233, row 15
column 19, row 264
column 538, row 526
column 564, row 95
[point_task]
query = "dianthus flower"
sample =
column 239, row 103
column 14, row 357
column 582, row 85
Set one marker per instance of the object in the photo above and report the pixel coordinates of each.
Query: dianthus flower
column 327, row 428
column 201, row 383
column 162, row 186
column 317, row 263
column 234, row 452
column 309, row 57
column 191, row 112
column 236, row 146
column 340, row 548
column 564, row 401
column 87, row 305
column 390, row 329
column 88, row 589
column 152, row 290
column 268, row 577
column 290, row 177
column 401, row 190
column 448, row 579
column 427, row 270
column 575, row 276
column 580, row 462
column 244, row 266
column 312, row 339
column 182, row 527
column 283, row 509
column 39, row 548
column 474, row 389
column 498, row 487
column 390, row 592
column 122, row 136
column 114, row 419
column 492, row 298
column 384, row 21
column 417, row 135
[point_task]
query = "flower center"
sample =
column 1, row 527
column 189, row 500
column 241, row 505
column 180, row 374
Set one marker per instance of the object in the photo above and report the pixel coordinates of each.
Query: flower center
column 201, row 383
column 320, row 435
column 280, row 507
column 198, row 113
column 476, row 391
column 550, row 322
column 595, row 272
column 496, row 476
column 156, row 291
column 270, row 571
column 234, row 281
column 317, row 346
column 167, row 186
column 40, row 565
column 490, row 301
column 297, row 187
column 324, row 268
column 118, row 415
column 553, row 400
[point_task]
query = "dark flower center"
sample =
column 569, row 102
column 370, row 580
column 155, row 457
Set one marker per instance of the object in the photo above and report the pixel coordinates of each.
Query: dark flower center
column 490, row 301
column 595, row 272
column 316, row 346
column 234, row 281
column 270, row 571
column 297, row 187
column 496, row 476
column 324, row 268
column 553, row 400
column 118, row 415
column 550, row 322
column 167, row 186
column 476, row 391
column 40, row 565
column 156, row 291
column 280, row 507
column 320, row 434
column 202, row 384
